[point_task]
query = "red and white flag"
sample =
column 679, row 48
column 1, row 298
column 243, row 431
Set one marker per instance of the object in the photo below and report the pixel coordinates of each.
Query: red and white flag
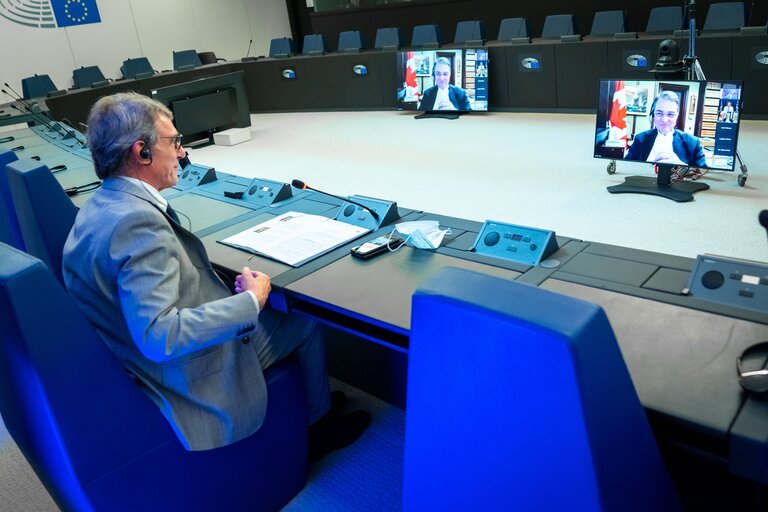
column 411, row 86
column 618, row 118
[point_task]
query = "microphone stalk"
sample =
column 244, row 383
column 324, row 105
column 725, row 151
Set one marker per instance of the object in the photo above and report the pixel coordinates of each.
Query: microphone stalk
column 303, row 186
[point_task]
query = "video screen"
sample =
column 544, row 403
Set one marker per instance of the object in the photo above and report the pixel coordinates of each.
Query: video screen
column 443, row 80
column 685, row 123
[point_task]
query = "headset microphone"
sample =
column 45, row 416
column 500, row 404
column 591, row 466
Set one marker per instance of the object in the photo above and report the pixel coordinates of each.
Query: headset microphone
column 301, row 185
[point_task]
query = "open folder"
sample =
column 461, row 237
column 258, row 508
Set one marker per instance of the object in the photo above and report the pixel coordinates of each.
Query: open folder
column 294, row 238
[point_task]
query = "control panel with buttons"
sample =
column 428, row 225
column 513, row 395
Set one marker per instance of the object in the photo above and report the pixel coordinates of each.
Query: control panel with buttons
column 731, row 282
column 193, row 175
column 515, row 243
column 266, row 192
column 354, row 214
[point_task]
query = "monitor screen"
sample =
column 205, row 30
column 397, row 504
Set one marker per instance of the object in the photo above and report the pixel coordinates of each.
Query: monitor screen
column 683, row 123
column 443, row 80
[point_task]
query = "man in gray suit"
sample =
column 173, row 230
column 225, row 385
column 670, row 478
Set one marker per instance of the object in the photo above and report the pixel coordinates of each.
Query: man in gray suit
column 147, row 286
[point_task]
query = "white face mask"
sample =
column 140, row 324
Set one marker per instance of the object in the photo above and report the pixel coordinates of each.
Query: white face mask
column 422, row 234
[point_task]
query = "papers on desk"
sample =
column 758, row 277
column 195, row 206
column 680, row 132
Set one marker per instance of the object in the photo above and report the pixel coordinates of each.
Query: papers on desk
column 295, row 238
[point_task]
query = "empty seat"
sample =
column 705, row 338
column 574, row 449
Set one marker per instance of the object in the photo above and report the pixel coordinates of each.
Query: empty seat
column 314, row 44
column 37, row 86
column 281, row 47
column 665, row 19
column 351, row 41
column 389, row 38
column 209, row 58
column 426, row 36
column 726, row 16
column 607, row 23
column 137, row 68
column 88, row 76
column 558, row 25
column 472, row 32
column 186, row 59
column 514, row 28
column 10, row 233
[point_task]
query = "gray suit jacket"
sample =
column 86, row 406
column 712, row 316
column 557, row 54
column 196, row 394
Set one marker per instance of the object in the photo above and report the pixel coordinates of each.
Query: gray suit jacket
column 147, row 286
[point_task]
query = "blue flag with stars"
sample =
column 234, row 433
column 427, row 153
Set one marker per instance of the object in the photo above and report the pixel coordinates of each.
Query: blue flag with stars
column 75, row 12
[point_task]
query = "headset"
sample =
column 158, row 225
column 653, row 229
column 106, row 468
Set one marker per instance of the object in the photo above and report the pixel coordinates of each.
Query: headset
column 145, row 153
column 753, row 381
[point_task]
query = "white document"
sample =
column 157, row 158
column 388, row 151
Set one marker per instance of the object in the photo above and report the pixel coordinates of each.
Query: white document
column 295, row 238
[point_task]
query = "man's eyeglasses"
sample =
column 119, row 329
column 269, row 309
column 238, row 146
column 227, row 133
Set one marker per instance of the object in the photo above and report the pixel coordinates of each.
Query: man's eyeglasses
column 176, row 140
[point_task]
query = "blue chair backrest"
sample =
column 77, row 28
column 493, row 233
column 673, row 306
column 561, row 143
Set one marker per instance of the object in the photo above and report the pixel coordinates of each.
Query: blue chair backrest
column 470, row 31
column 390, row 38
column 282, row 47
column 45, row 212
column 607, row 23
column 351, row 40
column 10, row 232
column 513, row 391
column 665, row 19
column 186, row 59
column 426, row 35
column 139, row 66
column 726, row 16
column 514, row 28
column 87, row 77
column 558, row 25
column 37, row 86
column 314, row 44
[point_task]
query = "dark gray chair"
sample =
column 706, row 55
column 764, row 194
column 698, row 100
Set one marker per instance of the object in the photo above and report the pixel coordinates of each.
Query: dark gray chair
column 282, row 47
column 351, row 41
column 559, row 25
column 88, row 76
column 314, row 44
column 389, row 38
column 514, row 28
column 470, row 32
column 137, row 68
column 209, row 58
column 186, row 59
column 726, row 16
column 665, row 19
column 608, row 23
column 426, row 36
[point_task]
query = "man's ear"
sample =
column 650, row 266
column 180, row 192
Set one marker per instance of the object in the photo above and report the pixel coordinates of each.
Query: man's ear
column 141, row 152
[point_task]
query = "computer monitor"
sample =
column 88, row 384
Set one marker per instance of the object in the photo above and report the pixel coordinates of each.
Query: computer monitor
column 674, row 125
column 443, row 83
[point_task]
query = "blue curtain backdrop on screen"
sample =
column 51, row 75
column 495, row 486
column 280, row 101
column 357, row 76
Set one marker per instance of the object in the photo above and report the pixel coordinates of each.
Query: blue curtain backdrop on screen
column 75, row 12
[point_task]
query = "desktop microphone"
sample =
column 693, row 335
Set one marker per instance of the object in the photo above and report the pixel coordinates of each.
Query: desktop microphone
column 41, row 116
column 300, row 184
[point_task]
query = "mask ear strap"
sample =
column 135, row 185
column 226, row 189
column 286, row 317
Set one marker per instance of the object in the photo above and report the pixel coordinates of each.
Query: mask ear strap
column 390, row 239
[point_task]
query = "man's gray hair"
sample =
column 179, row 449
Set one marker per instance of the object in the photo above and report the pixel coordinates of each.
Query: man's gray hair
column 115, row 123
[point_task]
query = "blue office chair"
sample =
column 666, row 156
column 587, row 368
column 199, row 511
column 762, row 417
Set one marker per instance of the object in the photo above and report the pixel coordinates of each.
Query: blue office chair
column 45, row 212
column 389, row 38
column 559, row 25
column 90, row 76
column 137, row 68
column 519, row 398
column 95, row 439
column 470, row 32
column 37, row 86
column 608, row 23
column 186, row 59
column 282, row 47
column 726, row 16
column 10, row 232
column 351, row 41
column 665, row 19
column 426, row 36
column 314, row 44
column 514, row 28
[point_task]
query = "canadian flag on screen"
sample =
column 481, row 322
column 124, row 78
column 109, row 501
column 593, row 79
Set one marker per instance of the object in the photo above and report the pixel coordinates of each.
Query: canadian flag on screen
column 411, row 86
column 618, row 118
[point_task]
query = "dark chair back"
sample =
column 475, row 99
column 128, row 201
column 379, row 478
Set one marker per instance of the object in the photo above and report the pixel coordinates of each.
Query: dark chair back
column 314, row 44
column 514, row 28
column 209, row 58
column 426, row 36
column 186, row 59
column 665, row 19
column 607, row 23
column 389, row 38
column 10, row 232
column 470, row 32
column 137, row 68
column 558, row 25
column 37, row 86
column 726, row 16
column 282, row 47
column 88, row 76
column 351, row 41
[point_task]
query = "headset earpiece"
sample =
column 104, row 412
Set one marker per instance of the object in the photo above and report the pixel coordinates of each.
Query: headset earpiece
column 145, row 153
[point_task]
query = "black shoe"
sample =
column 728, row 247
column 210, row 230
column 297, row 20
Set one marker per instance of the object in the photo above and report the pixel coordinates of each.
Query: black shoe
column 332, row 433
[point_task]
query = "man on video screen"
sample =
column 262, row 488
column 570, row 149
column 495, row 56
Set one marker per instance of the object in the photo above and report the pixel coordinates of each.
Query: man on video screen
column 443, row 95
column 663, row 143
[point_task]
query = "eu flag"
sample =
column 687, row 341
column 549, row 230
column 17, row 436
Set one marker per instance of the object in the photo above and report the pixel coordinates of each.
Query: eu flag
column 75, row 12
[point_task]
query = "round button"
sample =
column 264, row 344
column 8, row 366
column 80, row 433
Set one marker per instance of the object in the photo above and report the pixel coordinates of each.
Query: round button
column 534, row 247
column 712, row 280
column 492, row 238
column 184, row 174
column 349, row 210
column 252, row 190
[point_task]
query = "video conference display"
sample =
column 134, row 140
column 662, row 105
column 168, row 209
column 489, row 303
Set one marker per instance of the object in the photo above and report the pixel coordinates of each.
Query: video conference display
column 443, row 80
column 686, row 123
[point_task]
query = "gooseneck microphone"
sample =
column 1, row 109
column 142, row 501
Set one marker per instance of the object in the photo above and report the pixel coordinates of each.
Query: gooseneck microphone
column 249, row 48
column 300, row 184
column 40, row 116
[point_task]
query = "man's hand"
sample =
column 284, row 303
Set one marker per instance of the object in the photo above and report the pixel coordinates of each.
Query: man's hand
column 669, row 157
column 258, row 283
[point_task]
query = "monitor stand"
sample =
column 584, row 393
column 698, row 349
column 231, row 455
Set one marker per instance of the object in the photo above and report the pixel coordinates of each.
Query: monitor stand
column 440, row 114
column 662, row 185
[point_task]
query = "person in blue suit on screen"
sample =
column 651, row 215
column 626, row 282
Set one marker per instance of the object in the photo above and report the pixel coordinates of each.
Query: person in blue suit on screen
column 443, row 95
column 663, row 143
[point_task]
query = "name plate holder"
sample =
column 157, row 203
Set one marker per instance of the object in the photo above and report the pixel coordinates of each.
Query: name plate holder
column 266, row 192
column 354, row 214
column 730, row 282
column 520, row 244
column 194, row 175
